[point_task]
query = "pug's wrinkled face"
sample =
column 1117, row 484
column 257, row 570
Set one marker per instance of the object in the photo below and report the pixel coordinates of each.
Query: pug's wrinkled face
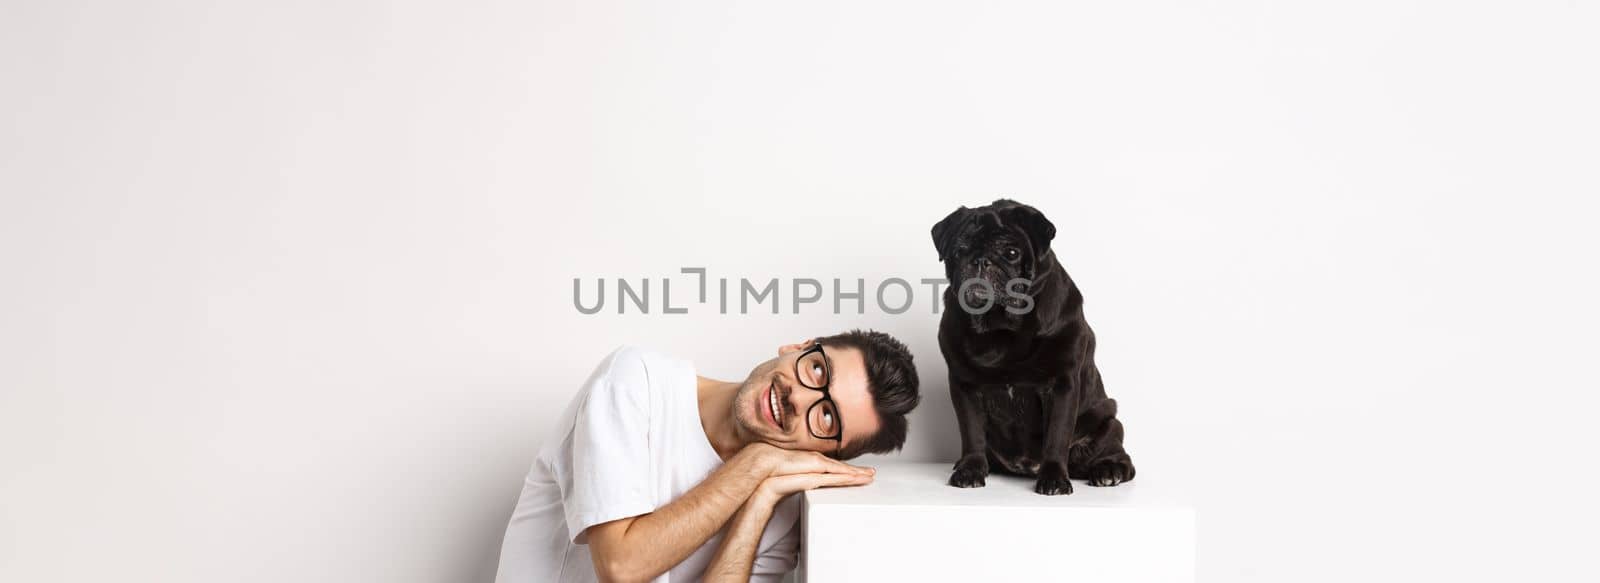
column 993, row 254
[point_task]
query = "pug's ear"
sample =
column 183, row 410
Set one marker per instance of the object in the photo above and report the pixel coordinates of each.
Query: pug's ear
column 946, row 231
column 1039, row 229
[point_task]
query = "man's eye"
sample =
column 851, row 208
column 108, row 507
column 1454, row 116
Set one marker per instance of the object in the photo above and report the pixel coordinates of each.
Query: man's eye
column 816, row 372
column 827, row 419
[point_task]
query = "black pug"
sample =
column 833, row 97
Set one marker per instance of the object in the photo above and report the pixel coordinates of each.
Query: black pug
column 1027, row 394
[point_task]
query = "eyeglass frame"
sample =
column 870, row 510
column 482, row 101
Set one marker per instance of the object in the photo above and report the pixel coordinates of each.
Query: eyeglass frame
column 827, row 363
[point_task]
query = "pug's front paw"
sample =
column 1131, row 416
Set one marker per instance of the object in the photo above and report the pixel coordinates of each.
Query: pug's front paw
column 970, row 472
column 1053, row 480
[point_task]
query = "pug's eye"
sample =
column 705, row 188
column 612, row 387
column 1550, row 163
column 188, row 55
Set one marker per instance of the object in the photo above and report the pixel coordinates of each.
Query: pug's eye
column 1013, row 254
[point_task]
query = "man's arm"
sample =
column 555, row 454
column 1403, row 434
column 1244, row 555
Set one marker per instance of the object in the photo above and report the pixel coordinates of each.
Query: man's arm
column 645, row 546
column 738, row 552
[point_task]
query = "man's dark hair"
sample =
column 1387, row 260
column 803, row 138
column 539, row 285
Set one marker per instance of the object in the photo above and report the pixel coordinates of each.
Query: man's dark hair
column 892, row 382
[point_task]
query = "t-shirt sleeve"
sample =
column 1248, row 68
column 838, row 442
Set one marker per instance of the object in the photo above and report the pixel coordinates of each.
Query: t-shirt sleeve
column 776, row 561
column 610, row 471
column 773, row 561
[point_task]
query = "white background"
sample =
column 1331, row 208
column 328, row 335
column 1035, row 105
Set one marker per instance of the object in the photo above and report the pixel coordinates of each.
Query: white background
column 287, row 286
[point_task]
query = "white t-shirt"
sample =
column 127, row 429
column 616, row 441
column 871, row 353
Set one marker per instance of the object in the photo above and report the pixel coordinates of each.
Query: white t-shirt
column 630, row 442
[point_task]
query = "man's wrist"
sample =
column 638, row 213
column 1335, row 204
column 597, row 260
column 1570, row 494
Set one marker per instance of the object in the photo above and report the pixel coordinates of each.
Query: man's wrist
column 763, row 496
column 761, row 462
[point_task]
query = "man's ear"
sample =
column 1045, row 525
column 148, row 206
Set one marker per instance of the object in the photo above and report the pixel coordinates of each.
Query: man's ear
column 1039, row 229
column 787, row 348
column 946, row 231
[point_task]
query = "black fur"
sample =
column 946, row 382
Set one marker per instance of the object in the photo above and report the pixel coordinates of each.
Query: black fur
column 1028, row 397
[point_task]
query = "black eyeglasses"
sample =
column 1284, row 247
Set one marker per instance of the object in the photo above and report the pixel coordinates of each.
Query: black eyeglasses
column 815, row 372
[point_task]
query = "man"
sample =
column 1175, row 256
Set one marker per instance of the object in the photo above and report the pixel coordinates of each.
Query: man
column 657, row 474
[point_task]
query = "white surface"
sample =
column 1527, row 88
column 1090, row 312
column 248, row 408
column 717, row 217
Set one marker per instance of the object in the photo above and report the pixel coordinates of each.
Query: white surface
column 285, row 287
column 909, row 526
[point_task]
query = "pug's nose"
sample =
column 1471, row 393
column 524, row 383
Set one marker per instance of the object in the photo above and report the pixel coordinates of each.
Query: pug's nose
column 982, row 262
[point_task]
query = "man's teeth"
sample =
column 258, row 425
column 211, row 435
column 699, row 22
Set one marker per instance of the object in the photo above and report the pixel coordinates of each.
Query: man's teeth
column 772, row 404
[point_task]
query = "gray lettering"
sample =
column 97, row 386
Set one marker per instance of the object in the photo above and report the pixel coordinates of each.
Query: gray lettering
column 839, row 296
column 748, row 290
column 599, row 299
column 666, row 299
column 816, row 287
column 702, row 272
column 934, row 284
column 961, row 296
column 885, row 285
column 642, row 301
column 1027, row 300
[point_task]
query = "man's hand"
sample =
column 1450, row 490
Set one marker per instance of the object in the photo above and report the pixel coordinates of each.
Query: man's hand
column 778, row 461
column 790, row 471
column 775, row 488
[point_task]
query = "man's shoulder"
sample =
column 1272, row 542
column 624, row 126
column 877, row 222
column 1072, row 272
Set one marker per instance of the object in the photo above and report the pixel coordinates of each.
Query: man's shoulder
column 631, row 365
column 632, row 354
column 629, row 359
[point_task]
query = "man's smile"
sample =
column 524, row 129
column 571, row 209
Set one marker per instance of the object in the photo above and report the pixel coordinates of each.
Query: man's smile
column 772, row 406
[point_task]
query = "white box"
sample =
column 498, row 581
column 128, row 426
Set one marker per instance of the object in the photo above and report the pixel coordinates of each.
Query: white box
column 908, row 525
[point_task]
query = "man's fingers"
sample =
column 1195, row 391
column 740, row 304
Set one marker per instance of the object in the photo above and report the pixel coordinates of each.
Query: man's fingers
column 826, row 480
column 812, row 462
column 809, row 481
column 859, row 469
column 839, row 467
column 799, row 482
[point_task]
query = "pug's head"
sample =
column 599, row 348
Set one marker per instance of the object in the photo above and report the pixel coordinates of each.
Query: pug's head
column 998, row 245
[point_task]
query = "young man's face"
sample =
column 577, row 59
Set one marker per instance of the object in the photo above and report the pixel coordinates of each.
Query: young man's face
column 796, row 424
